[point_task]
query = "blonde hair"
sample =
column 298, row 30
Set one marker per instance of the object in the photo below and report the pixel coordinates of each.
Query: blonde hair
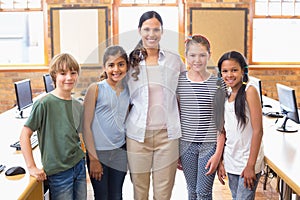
column 62, row 62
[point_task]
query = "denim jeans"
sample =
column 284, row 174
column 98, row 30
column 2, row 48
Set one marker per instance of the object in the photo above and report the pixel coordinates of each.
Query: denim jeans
column 114, row 163
column 69, row 184
column 238, row 191
column 194, row 156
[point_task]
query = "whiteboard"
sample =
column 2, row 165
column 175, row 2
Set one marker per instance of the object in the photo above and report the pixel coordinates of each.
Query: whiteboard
column 82, row 32
column 78, row 37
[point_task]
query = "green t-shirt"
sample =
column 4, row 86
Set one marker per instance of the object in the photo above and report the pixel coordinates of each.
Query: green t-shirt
column 57, row 123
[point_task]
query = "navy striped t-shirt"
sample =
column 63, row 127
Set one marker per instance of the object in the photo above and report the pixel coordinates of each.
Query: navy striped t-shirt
column 196, row 100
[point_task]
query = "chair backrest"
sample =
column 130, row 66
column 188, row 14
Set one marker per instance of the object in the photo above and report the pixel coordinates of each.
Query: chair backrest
column 49, row 85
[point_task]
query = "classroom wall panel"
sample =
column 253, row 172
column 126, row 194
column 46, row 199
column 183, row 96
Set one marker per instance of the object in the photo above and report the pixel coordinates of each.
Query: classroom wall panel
column 225, row 28
column 83, row 32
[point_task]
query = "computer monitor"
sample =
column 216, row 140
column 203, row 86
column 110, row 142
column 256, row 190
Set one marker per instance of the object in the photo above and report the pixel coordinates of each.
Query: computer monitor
column 23, row 95
column 288, row 106
column 49, row 85
column 257, row 83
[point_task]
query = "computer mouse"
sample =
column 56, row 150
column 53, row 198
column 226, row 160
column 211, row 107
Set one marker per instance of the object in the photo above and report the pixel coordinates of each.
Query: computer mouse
column 15, row 171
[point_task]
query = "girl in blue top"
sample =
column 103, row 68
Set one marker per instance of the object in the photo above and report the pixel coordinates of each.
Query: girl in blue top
column 105, row 109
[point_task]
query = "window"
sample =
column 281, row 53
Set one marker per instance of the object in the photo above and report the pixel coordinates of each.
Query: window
column 275, row 27
column 147, row 1
column 22, row 39
column 21, row 4
column 277, row 7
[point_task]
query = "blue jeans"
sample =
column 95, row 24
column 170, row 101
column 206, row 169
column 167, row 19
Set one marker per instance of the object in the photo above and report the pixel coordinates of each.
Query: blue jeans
column 194, row 157
column 69, row 184
column 238, row 191
column 114, row 164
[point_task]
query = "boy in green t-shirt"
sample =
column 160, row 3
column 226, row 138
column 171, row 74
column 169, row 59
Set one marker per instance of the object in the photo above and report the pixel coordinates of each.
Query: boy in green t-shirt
column 57, row 119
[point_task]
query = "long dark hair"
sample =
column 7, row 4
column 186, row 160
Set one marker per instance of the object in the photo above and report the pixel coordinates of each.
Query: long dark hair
column 240, row 100
column 219, row 101
column 139, row 53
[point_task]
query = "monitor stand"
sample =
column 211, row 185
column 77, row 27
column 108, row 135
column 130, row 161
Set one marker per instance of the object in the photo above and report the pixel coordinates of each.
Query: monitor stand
column 20, row 114
column 286, row 129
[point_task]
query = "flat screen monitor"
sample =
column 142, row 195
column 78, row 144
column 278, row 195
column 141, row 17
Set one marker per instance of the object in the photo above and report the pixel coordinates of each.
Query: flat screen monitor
column 288, row 106
column 257, row 83
column 49, row 86
column 23, row 95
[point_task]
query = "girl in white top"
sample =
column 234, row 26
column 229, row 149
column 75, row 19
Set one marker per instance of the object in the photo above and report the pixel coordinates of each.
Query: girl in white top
column 243, row 152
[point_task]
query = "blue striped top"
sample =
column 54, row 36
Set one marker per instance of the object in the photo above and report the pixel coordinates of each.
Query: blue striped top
column 196, row 109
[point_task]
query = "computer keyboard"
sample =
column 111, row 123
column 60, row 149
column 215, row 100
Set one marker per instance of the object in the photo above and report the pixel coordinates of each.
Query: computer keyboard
column 33, row 140
column 274, row 114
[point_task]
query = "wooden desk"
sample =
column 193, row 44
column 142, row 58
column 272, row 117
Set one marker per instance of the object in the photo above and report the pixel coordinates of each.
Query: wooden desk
column 20, row 186
column 23, row 187
column 282, row 150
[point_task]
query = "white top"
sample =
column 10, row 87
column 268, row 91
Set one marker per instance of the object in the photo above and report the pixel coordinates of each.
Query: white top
column 238, row 142
column 170, row 66
column 157, row 114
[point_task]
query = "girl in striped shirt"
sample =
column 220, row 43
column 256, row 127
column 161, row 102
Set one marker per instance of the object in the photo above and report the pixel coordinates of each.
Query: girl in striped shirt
column 201, row 143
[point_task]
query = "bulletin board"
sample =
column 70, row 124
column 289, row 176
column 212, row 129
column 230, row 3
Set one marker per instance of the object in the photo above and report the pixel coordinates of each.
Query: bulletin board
column 225, row 28
column 82, row 32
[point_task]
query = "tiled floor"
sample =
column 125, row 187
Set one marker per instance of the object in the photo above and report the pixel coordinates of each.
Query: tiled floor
column 179, row 191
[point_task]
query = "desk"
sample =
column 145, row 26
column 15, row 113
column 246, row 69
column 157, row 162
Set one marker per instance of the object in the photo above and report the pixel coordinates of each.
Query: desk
column 20, row 186
column 282, row 151
column 23, row 187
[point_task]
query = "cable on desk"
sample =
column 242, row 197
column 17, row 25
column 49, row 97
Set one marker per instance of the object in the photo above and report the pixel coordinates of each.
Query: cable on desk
column 266, row 178
column 268, row 173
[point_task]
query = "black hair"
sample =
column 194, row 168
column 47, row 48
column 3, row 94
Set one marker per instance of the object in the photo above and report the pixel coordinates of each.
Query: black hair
column 240, row 100
column 139, row 53
column 148, row 15
column 112, row 51
column 219, row 101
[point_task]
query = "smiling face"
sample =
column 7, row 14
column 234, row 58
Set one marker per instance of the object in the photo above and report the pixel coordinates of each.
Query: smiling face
column 116, row 68
column 232, row 73
column 151, row 32
column 66, row 79
column 197, row 57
